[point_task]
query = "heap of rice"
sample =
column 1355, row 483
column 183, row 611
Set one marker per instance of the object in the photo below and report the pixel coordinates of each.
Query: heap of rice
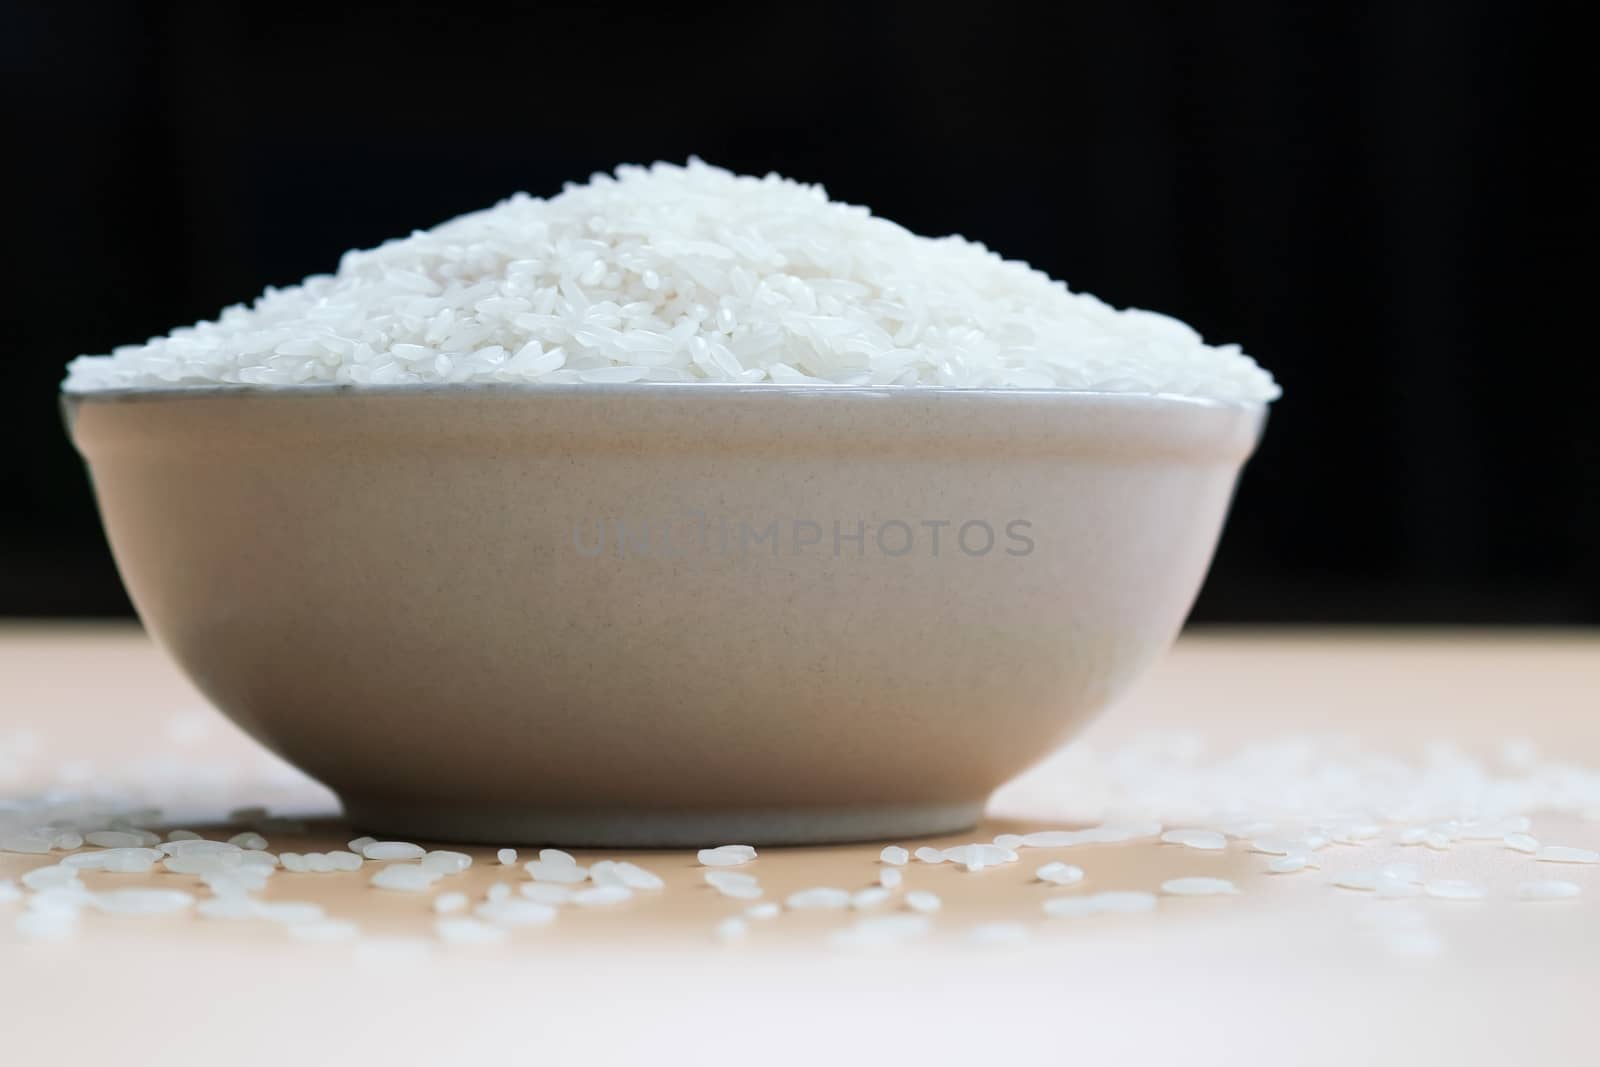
column 682, row 274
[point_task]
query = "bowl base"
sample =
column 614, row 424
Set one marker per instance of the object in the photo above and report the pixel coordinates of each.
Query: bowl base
column 656, row 827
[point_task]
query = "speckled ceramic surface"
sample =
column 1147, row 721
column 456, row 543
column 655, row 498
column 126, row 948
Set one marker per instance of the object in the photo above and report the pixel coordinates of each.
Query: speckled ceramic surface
column 669, row 615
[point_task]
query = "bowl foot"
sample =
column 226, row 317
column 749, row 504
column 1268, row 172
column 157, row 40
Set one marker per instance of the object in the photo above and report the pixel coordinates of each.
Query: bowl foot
column 657, row 827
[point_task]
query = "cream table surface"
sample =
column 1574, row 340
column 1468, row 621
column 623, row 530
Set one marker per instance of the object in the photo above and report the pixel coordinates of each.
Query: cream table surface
column 1291, row 970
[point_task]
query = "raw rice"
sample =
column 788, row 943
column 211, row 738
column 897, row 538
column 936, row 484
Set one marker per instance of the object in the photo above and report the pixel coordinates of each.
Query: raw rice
column 324, row 930
column 1198, row 887
column 1208, row 840
column 880, row 931
column 446, row 903
column 1521, row 842
column 445, row 863
column 141, row 901
column 391, row 850
column 1116, row 901
column 54, row 877
column 682, row 274
column 1059, row 874
column 546, row 893
column 557, row 872
column 601, row 895
column 723, row 881
column 870, row 897
column 726, row 855
column 1454, row 889
column 821, row 897
column 1567, row 854
column 460, row 930
column 405, row 878
column 997, row 934
column 515, row 912
column 1550, row 889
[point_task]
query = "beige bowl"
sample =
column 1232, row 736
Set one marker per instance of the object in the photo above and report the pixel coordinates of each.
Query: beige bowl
column 662, row 615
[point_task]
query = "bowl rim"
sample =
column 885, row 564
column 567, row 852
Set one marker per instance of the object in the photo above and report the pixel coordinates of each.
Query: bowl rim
column 804, row 390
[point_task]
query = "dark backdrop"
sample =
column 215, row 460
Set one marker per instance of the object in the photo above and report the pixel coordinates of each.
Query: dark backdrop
column 1387, row 205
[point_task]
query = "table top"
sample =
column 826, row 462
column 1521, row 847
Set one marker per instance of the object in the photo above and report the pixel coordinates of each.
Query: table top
column 1235, row 727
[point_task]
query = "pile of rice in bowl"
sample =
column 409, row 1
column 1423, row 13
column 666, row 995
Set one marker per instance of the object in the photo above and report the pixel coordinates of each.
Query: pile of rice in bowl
column 682, row 274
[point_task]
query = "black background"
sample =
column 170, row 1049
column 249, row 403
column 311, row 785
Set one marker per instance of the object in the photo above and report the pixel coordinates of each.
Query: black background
column 1387, row 205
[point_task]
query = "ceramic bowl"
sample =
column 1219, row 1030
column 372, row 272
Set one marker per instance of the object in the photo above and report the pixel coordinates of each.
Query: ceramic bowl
column 655, row 614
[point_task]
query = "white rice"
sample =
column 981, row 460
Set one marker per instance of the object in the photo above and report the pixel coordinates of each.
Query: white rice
column 556, row 872
column 1521, row 842
column 445, row 861
column 392, row 850
column 46, row 925
column 405, row 878
column 1209, row 840
column 1198, row 887
column 1454, row 889
column 445, row 903
column 136, row 860
column 1566, row 854
column 731, row 883
column 894, row 855
column 459, row 930
column 976, row 857
column 601, row 896
column 870, row 897
column 1550, row 889
column 1122, row 901
column 325, row 930
column 880, row 931
column 515, row 912
column 726, row 855
column 141, row 901
column 1059, row 874
column 546, row 893
column 682, row 274
column 821, row 897
column 54, row 877
column 997, row 934
column 633, row 876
